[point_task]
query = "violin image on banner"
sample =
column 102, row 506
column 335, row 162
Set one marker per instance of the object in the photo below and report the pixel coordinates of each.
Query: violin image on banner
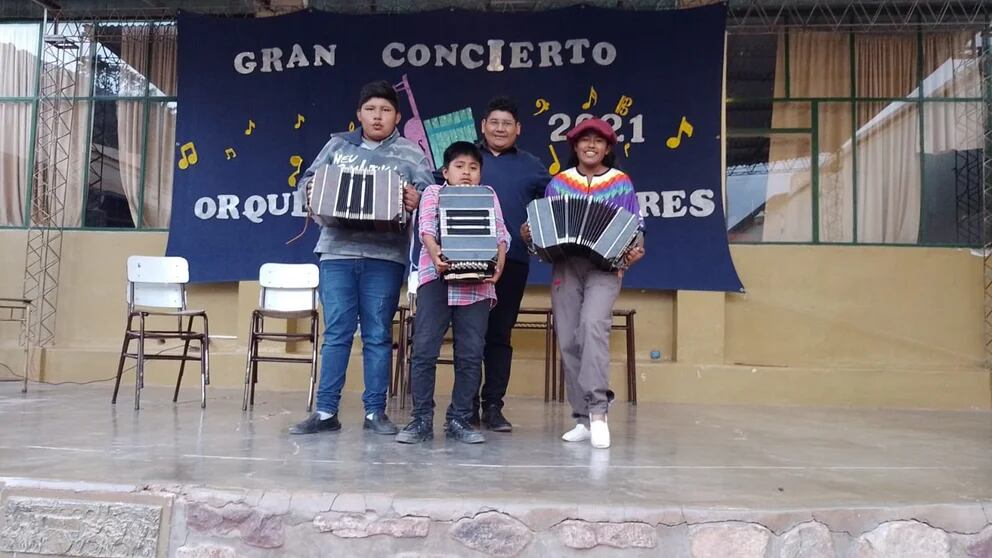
column 413, row 128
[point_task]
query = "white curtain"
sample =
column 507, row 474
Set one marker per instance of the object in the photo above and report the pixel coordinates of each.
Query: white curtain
column 160, row 161
column 150, row 52
column 887, row 146
column 18, row 66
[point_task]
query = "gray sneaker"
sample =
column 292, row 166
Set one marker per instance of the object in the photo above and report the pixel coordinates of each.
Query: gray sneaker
column 419, row 430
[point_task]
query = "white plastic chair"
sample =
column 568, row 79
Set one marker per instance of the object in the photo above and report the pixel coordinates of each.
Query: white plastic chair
column 156, row 286
column 289, row 292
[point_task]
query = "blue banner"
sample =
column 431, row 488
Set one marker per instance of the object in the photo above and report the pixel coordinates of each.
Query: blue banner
column 259, row 97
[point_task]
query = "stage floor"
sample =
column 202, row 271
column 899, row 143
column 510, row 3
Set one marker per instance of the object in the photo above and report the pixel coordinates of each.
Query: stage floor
column 716, row 462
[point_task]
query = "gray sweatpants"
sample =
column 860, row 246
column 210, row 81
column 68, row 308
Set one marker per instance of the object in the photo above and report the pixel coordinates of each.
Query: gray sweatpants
column 582, row 300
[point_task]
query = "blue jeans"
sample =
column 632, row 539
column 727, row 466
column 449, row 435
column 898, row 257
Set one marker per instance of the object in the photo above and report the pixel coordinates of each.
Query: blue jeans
column 368, row 289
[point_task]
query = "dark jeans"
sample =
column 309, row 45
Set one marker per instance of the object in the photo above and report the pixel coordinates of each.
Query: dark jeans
column 351, row 289
column 499, row 351
column 430, row 324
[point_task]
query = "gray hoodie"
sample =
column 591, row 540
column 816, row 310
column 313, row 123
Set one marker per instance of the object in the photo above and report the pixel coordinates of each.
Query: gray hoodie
column 396, row 153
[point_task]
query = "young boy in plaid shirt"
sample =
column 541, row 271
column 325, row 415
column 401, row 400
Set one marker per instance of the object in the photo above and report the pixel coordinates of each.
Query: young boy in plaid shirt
column 463, row 306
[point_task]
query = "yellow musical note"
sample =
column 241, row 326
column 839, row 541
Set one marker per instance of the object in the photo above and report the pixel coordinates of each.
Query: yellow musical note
column 555, row 165
column 299, row 121
column 623, row 105
column 189, row 156
column 351, row 126
column 593, row 98
column 231, row 153
column 251, row 127
column 626, row 149
column 542, row 106
column 296, row 162
column 684, row 128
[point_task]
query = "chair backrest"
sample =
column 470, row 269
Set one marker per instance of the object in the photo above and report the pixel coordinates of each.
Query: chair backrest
column 157, row 281
column 288, row 287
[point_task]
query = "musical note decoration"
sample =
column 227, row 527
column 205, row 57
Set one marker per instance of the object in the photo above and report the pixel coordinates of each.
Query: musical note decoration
column 555, row 166
column 542, row 106
column 623, row 105
column 250, row 128
column 296, row 162
column 685, row 128
column 626, row 149
column 591, row 101
column 300, row 119
column 231, row 153
column 189, row 155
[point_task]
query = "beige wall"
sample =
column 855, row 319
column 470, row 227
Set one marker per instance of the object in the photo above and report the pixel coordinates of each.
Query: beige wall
column 865, row 326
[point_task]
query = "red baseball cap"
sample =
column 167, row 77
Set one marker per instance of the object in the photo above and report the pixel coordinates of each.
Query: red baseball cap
column 597, row 125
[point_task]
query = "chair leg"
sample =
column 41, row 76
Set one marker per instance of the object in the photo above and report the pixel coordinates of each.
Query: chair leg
column 27, row 346
column 313, row 362
column 251, row 338
column 631, row 362
column 254, row 372
column 182, row 363
column 400, row 355
column 205, row 353
column 120, row 366
column 139, row 376
column 204, row 363
column 547, row 361
column 405, row 374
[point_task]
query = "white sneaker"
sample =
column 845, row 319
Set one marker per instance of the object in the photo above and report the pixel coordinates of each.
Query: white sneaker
column 600, row 434
column 578, row 434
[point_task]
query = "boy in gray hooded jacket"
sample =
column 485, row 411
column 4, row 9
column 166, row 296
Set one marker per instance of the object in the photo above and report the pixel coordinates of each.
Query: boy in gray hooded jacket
column 361, row 272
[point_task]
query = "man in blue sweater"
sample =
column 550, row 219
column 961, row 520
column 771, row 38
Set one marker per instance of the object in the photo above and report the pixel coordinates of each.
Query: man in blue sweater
column 518, row 178
column 361, row 272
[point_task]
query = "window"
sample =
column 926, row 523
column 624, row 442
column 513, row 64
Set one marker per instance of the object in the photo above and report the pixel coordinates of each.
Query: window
column 895, row 122
column 116, row 123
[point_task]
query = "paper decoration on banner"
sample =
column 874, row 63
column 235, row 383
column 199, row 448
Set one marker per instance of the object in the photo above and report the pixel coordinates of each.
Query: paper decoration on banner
column 446, row 129
column 684, row 128
column 296, row 162
column 189, row 156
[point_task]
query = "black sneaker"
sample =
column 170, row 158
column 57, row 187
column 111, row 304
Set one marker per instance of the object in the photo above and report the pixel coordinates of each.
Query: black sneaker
column 419, row 430
column 494, row 420
column 380, row 424
column 474, row 420
column 457, row 429
column 314, row 424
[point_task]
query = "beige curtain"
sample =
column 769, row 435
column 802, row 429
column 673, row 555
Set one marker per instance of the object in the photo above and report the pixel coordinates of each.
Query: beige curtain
column 18, row 44
column 157, row 62
column 887, row 143
column 159, row 162
column 819, row 67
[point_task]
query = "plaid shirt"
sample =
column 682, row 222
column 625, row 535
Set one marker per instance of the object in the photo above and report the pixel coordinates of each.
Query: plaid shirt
column 459, row 294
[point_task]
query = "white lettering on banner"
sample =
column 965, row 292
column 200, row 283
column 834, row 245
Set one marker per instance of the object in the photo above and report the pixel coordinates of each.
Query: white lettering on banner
column 519, row 54
column 668, row 204
column 245, row 62
column 226, row 206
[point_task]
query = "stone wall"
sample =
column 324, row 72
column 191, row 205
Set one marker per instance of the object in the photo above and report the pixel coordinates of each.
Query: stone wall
column 68, row 519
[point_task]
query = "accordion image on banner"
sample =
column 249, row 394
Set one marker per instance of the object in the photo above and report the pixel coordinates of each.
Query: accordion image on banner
column 570, row 226
column 358, row 198
column 467, row 232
